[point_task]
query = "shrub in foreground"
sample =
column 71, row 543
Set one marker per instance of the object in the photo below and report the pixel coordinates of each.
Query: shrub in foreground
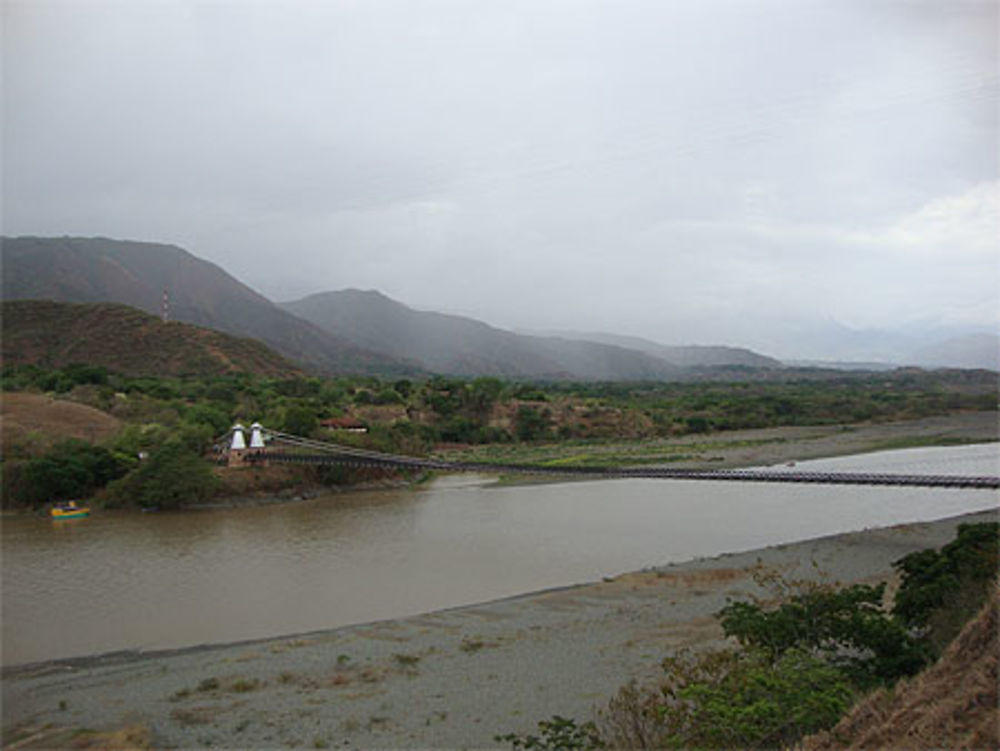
column 729, row 699
column 942, row 589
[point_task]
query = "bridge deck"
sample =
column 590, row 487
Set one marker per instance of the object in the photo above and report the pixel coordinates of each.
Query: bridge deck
column 374, row 459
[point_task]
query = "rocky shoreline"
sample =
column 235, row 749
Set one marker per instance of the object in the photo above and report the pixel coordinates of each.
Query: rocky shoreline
column 448, row 679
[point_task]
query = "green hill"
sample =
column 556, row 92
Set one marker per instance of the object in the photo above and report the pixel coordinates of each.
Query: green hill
column 128, row 341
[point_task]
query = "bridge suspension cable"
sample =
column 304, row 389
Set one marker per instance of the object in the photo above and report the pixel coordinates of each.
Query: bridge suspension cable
column 321, row 452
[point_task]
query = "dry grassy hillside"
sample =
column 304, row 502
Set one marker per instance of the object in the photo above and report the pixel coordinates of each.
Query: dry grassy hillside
column 37, row 421
column 952, row 704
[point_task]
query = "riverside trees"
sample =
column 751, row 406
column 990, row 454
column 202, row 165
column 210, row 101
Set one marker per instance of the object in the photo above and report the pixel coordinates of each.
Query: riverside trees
column 412, row 416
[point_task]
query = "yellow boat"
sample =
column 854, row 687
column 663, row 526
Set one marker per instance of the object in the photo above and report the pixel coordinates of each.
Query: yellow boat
column 69, row 510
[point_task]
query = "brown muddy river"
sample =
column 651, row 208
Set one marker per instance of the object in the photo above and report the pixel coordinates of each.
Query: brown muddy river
column 149, row 581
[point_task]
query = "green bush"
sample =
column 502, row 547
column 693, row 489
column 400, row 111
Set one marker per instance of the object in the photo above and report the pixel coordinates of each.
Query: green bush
column 557, row 734
column 300, row 420
column 71, row 469
column 533, row 424
column 941, row 590
column 847, row 627
column 171, row 478
column 729, row 699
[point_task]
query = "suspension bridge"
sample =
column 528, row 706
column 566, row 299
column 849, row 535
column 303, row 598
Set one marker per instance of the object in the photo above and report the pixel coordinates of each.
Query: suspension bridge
column 274, row 447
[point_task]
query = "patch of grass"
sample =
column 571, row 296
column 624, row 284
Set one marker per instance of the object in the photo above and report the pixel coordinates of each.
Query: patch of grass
column 597, row 453
column 244, row 685
column 209, row 684
column 405, row 661
column 133, row 737
column 375, row 721
column 350, row 725
column 471, row 646
column 343, row 659
column 194, row 715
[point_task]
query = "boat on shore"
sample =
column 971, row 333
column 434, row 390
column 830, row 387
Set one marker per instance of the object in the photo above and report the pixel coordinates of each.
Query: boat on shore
column 69, row 510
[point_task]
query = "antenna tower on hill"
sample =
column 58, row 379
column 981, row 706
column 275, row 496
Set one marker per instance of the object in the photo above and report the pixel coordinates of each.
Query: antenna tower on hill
column 166, row 306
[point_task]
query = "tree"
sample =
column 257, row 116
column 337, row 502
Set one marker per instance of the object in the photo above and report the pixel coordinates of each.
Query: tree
column 729, row 699
column 846, row 626
column 533, row 424
column 172, row 477
column 71, row 469
column 481, row 395
column 941, row 590
column 299, row 420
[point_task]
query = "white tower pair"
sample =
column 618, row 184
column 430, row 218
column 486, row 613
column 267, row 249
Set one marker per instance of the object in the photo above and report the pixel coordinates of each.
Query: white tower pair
column 238, row 443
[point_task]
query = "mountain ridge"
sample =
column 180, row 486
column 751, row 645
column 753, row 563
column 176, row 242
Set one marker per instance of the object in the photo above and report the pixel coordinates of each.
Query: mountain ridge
column 687, row 356
column 366, row 332
column 70, row 269
column 456, row 345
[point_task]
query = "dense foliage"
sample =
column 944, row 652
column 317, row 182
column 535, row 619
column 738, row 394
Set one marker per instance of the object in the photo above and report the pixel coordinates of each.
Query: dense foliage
column 415, row 416
column 172, row 477
column 940, row 590
column 71, row 469
column 730, row 699
column 848, row 627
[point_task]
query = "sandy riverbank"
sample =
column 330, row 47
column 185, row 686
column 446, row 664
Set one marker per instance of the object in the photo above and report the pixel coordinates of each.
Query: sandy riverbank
column 768, row 446
column 443, row 680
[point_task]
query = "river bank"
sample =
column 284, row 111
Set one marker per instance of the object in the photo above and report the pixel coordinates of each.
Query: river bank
column 748, row 448
column 452, row 678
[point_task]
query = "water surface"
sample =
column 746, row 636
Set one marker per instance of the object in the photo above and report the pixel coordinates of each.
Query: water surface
column 128, row 581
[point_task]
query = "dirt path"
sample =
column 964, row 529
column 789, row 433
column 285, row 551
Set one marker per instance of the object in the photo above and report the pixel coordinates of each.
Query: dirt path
column 452, row 679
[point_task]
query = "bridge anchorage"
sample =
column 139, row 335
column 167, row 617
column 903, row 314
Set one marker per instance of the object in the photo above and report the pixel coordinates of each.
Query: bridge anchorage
column 272, row 446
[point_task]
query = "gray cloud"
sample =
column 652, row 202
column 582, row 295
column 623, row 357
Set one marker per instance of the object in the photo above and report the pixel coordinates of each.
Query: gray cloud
column 674, row 169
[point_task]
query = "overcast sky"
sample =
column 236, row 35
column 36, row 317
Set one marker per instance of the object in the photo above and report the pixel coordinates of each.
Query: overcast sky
column 686, row 170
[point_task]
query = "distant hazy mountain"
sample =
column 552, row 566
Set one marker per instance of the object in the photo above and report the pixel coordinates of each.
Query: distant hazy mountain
column 127, row 340
column 822, row 341
column 970, row 351
column 100, row 270
column 842, row 365
column 462, row 346
column 693, row 356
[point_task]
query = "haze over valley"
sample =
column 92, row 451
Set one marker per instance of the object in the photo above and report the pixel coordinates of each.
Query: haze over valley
column 365, row 331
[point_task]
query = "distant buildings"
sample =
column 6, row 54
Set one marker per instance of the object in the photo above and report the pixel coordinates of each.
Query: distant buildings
column 349, row 424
